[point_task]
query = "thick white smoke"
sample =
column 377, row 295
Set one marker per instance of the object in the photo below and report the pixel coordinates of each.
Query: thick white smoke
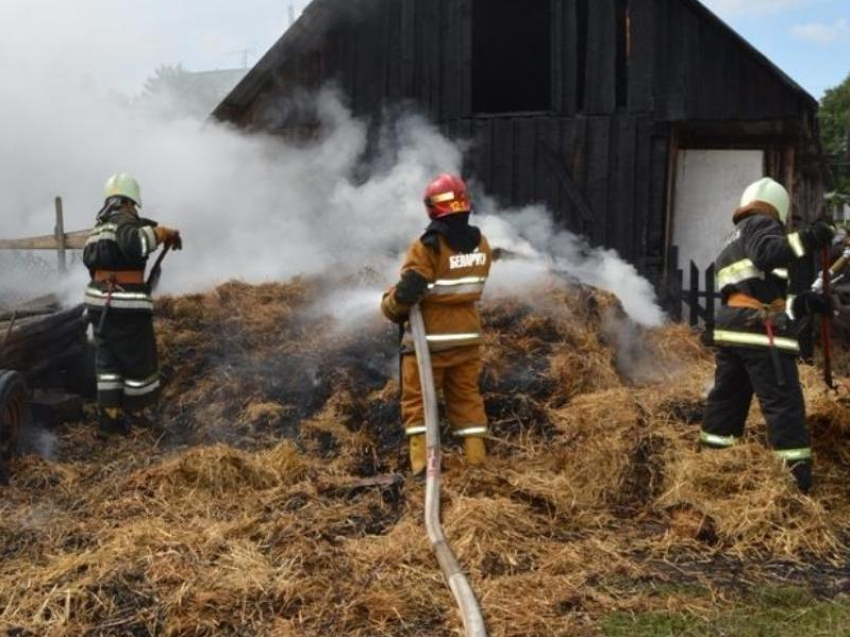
column 256, row 208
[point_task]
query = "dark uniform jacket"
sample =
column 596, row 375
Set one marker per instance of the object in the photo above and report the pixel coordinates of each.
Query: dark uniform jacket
column 754, row 262
column 121, row 243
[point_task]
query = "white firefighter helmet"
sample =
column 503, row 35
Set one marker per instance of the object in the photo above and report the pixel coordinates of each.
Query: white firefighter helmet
column 770, row 192
column 123, row 185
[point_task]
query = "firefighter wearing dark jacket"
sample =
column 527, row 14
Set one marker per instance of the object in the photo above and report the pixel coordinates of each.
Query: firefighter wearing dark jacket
column 119, row 303
column 445, row 271
column 757, row 348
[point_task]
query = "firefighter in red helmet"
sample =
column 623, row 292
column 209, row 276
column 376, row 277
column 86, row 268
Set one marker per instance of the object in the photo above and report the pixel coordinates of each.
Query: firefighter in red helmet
column 445, row 271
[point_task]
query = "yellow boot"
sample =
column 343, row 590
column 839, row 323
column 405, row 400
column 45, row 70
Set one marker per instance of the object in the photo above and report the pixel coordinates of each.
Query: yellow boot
column 475, row 450
column 418, row 454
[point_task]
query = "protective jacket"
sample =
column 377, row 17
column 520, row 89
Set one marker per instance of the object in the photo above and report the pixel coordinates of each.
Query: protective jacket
column 121, row 309
column 448, row 280
column 752, row 270
column 116, row 255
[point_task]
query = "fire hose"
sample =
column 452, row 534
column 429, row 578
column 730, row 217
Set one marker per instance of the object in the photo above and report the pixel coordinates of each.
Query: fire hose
column 473, row 621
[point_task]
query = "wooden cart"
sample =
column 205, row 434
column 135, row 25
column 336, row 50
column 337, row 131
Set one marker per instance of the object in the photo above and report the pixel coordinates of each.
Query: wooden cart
column 43, row 346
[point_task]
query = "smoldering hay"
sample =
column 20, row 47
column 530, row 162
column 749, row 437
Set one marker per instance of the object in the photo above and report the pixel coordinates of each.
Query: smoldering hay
column 269, row 497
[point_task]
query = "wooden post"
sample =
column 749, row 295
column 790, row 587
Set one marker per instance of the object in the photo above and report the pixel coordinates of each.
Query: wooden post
column 710, row 298
column 673, row 280
column 59, row 232
column 693, row 295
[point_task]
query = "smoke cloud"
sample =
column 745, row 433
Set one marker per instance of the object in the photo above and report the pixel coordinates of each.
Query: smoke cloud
column 256, row 208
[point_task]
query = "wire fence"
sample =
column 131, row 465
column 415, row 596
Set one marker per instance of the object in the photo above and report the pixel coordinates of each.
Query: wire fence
column 25, row 275
column 33, row 267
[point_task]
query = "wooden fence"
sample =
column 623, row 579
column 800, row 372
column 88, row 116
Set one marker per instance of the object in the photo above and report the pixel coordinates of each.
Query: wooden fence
column 695, row 302
column 59, row 241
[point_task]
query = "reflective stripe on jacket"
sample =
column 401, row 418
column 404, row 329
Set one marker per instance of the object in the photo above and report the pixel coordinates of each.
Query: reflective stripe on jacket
column 754, row 262
column 121, row 242
column 455, row 284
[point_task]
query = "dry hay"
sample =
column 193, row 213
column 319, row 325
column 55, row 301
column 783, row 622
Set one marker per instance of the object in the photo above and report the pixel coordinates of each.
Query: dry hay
column 264, row 501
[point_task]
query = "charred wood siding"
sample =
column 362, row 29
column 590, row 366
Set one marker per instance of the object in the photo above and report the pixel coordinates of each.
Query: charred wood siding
column 678, row 64
column 623, row 75
column 603, row 176
column 704, row 71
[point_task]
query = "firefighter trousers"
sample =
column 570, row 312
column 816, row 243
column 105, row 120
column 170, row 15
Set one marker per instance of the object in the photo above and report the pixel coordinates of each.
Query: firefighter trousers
column 456, row 373
column 126, row 360
column 740, row 373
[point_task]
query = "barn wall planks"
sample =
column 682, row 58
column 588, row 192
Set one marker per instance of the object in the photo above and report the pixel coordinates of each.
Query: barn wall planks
column 600, row 93
column 596, row 174
column 642, row 54
column 599, row 157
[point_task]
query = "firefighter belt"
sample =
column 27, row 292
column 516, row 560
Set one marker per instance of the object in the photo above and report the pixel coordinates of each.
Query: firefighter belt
column 121, row 277
column 766, row 314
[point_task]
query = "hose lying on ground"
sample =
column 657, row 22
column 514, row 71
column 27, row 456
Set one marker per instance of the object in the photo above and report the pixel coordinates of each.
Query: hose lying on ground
column 473, row 622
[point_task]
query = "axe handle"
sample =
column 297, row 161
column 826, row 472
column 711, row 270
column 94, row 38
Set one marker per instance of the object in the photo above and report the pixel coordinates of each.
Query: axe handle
column 156, row 270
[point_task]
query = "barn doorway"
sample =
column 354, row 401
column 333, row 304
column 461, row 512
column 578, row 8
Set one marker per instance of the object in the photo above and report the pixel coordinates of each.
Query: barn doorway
column 511, row 56
column 709, row 184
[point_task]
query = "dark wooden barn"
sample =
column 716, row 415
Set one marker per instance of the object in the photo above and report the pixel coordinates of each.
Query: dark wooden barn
column 637, row 122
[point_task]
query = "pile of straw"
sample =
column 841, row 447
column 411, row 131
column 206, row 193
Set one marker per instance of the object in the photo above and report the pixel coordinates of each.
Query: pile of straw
column 265, row 499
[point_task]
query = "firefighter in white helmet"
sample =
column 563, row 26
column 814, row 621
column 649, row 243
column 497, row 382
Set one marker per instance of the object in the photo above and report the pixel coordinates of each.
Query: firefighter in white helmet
column 757, row 348
column 119, row 303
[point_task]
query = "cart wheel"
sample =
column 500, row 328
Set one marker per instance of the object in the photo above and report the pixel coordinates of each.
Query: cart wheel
column 13, row 402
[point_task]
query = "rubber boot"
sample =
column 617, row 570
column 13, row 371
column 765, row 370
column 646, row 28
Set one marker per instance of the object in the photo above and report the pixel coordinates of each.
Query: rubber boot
column 802, row 472
column 418, row 454
column 113, row 422
column 475, row 450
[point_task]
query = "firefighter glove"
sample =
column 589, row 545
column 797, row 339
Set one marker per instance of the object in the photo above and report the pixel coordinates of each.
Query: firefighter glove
column 168, row 237
column 841, row 312
column 411, row 288
column 392, row 309
column 818, row 235
column 811, row 303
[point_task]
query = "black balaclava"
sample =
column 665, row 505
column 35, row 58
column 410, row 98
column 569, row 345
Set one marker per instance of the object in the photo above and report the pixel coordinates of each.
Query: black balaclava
column 457, row 232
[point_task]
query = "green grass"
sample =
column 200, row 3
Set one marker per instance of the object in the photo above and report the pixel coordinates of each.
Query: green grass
column 770, row 612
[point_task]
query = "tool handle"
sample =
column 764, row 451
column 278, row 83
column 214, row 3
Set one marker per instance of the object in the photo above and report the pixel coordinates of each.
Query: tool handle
column 826, row 319
column 156, row 270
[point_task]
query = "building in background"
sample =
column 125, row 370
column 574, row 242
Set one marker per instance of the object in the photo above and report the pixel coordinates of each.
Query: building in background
column 637, row 122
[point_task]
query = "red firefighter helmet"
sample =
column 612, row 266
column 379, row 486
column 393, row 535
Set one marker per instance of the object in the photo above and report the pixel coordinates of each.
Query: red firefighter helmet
column 446, row 195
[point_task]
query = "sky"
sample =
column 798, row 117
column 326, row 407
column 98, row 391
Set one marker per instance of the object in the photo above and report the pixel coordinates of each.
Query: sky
column 117, row 44
column 120, row 42
column 808, row 39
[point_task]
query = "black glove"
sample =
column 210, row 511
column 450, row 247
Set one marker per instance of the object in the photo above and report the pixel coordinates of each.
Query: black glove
column 817, row 235
column 811, row 303
column 411, row 288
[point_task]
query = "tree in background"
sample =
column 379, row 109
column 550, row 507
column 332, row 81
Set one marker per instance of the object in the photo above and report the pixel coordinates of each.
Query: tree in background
column 834, row 119
column 174, row 92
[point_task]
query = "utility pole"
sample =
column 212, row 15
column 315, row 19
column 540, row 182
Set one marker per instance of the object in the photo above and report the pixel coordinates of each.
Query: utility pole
column 244, row 53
